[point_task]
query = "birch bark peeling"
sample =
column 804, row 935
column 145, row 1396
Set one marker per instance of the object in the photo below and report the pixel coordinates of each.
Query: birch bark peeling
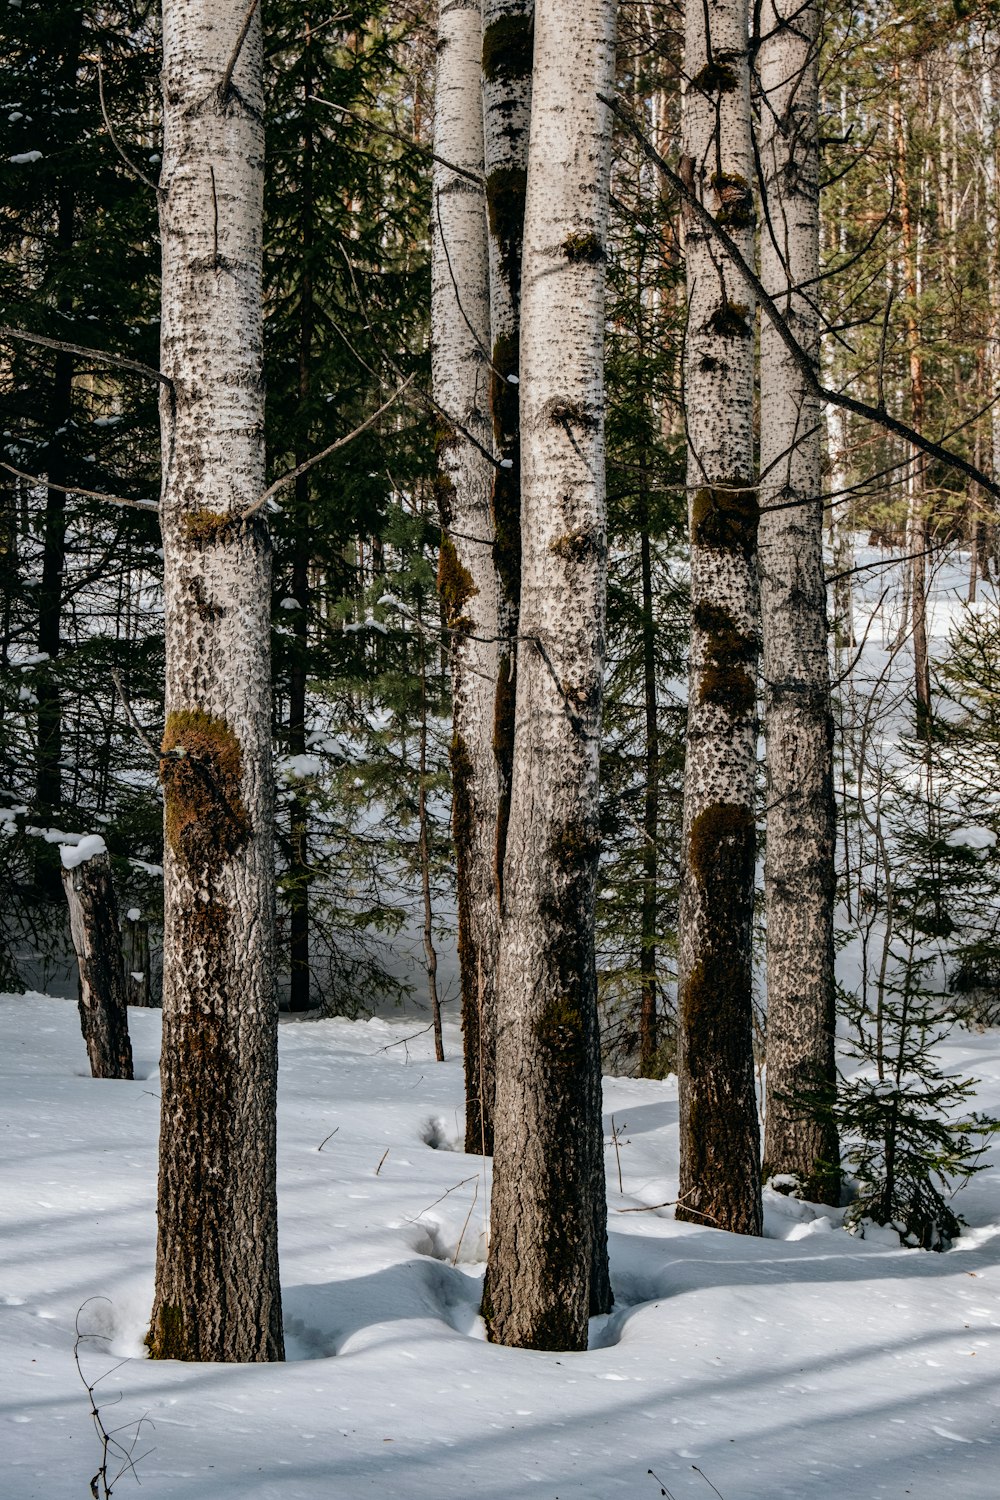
column 799, row 882
column 719, row 1136
column 547, row 1268
column 460, row 338
column 217, row 1294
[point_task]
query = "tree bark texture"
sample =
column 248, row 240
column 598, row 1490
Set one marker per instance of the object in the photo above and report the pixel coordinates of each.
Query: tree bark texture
column 719, row 1135
column 547, row 1266
column 799, row 880
column 138, row 976
column 217, row 1294
column 460, row 339
column 97, row 941
column 508, row 42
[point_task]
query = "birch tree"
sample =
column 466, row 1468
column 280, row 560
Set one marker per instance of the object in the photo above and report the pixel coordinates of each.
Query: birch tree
column 547, row 1266
column 799, row 880
column 217, row 1294
column 719, row 1139
column 460, row 336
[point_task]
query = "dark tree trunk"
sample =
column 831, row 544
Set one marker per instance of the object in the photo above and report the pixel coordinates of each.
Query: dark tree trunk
column 137, row 968
column 97, row 939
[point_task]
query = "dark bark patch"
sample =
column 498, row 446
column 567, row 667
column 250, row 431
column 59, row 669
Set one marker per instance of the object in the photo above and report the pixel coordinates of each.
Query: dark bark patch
column 167, row 1339
column 727, row 679
column 730, row 320
column 569, row 414
column 576, row 546
column 505, row 193
column 508, row 46
column 505, row 413
column 202, row 770
column 583, row 249
column 455, row 586
column 716, row 77
column 731, row 688
column 736, row 205
column 724, row 516
column 503, row 748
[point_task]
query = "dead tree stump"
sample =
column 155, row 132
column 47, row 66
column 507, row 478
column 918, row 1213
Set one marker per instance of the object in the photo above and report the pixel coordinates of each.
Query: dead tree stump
column 135, row 935
column 97, row 939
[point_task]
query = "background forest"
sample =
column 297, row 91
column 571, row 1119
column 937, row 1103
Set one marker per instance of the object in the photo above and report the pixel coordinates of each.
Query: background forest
column 909, row 297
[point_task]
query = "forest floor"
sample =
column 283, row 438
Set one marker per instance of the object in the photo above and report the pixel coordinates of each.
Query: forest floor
column 808, row 1363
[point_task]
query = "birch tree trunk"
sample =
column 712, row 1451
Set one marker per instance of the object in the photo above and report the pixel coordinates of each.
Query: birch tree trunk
column 547, row 1266
column 460, row 336
column 719, row 1136
column 217, row 1293
column 97, row 942
column 799, row 880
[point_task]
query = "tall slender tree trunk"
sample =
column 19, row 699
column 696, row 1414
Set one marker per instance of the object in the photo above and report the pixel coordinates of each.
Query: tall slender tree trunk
column 719, row 1135
column 799, row 878
column 916, row 514
column 460, row 338
column 217, row 1293
column 508, row 38
column 547, row 1267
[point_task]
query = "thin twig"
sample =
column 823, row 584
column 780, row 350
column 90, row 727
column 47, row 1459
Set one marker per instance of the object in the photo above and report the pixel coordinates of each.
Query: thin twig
column 327, row 1138
column 649, row 1208
column 443, row 1196
column 119, row 360
column 707, row 1480
column 385, row 1153
column 397, row 135
column 458, row 1247
column 126, row 705
column 227, row 77
column 136, row 171
column 293, row 474
column 74, row 489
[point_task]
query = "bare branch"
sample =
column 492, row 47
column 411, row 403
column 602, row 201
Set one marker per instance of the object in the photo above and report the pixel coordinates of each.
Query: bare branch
column 227, row 77
column 293, row 474
column 405, row 140
column 74, row 489
column 102, row 355
column 135, row 171
column 126, row 705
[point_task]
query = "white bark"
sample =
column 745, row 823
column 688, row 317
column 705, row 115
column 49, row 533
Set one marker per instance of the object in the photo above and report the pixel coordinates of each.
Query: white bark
column 720, row 1152
column 460, row 337
column 548, row 1262
column 217, row 1294
column 799, row 877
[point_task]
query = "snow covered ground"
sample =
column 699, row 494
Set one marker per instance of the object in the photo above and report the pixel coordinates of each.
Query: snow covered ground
column 805, row 1364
